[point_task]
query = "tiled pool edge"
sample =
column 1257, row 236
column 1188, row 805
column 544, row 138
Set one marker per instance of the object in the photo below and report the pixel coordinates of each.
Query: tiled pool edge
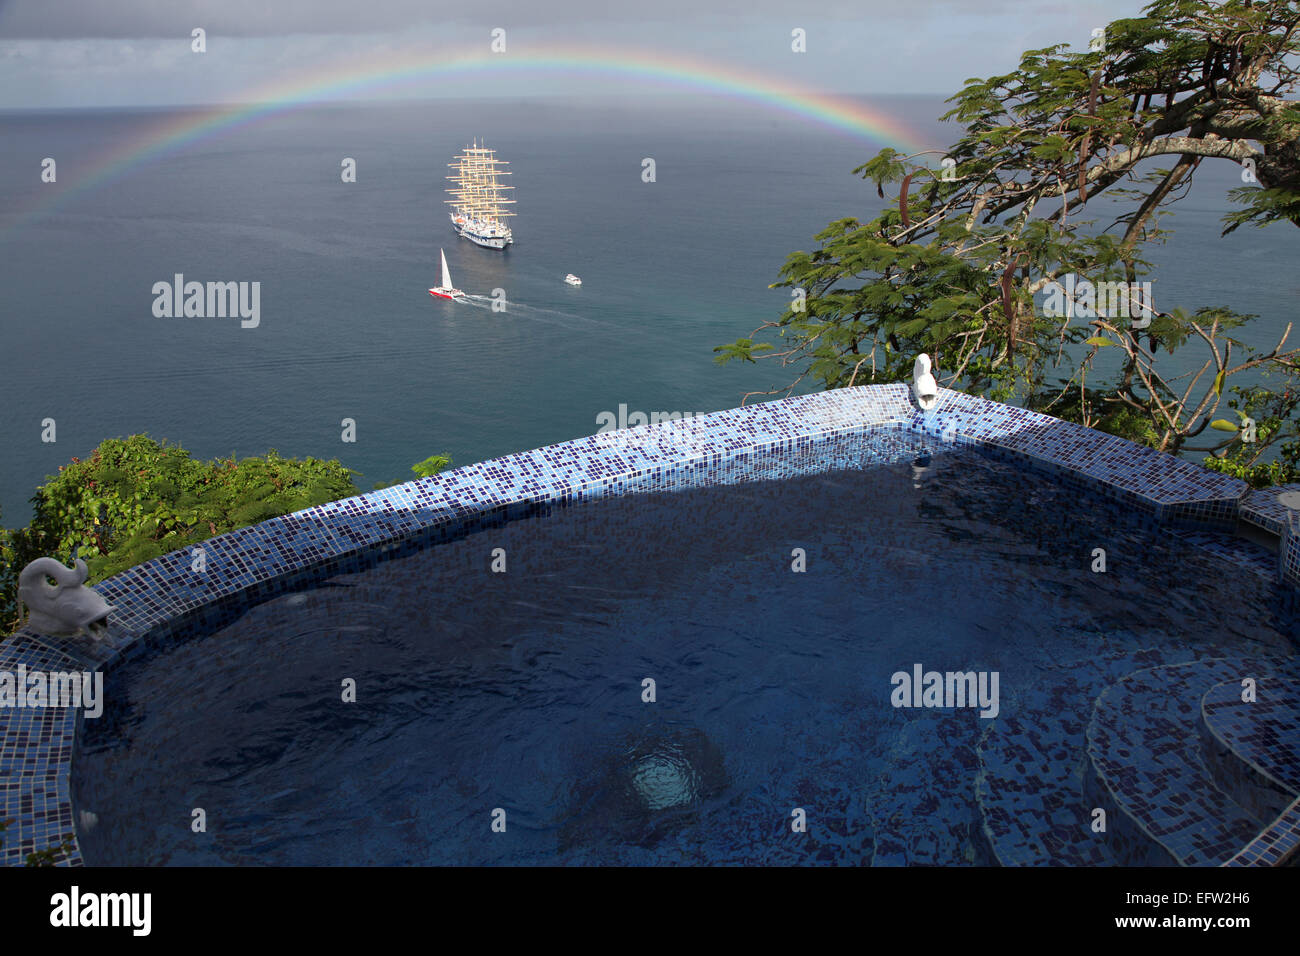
column 35, row 762
column 1276, row 845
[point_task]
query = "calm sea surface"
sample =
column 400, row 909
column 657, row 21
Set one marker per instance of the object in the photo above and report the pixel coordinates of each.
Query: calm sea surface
column 670, row 269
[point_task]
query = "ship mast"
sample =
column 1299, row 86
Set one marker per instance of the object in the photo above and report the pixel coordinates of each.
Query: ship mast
column 478, row 192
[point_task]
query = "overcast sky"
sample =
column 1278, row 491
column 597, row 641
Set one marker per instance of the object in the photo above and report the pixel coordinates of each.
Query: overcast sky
column 68, row 53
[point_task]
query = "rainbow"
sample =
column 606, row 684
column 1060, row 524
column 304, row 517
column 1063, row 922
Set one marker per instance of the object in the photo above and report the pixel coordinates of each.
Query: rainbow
column 358, row 80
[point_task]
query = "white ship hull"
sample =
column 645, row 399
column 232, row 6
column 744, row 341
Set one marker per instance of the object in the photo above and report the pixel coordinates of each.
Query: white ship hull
column 487, row 236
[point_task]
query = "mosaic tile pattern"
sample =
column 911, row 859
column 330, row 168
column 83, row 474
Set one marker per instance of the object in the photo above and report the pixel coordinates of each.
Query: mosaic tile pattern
column 1278, row 845
column 1030, row 791
column 1148, row 479
column 751, row 443
column 1253, row 747
column 1233, row 550
column 1289, row 559
column 36, row 745
column 1145, row 746
column 1261, row 508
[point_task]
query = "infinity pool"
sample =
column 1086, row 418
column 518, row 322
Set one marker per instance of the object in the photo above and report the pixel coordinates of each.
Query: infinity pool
column 504, row 716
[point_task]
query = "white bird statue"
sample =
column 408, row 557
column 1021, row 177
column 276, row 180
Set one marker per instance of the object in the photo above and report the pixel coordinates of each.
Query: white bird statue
column 924, row 387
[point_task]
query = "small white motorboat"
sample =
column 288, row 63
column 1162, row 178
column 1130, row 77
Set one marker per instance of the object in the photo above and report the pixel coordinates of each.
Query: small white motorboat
column 572, row 279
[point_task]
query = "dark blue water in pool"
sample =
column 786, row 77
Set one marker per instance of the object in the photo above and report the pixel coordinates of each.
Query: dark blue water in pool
column 522, row 692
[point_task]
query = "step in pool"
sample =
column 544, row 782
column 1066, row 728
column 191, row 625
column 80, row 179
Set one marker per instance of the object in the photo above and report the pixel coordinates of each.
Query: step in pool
column 1252, row 746
column 1149, row 770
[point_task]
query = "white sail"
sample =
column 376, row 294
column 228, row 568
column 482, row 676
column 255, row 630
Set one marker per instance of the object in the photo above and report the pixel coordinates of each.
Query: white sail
column 446, row 273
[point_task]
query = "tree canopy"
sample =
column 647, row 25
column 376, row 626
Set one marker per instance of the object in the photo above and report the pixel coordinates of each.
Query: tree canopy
column 953, row 263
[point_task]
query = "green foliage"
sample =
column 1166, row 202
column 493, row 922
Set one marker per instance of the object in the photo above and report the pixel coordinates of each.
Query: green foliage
column 1273, row 413
column 1258, row 474
column 431, row 465
column 1263, row 206
column 51, row 856
column 1115, row 419
column 134, row 499
column 9, row 614
column 952, row 264
column 742, row 349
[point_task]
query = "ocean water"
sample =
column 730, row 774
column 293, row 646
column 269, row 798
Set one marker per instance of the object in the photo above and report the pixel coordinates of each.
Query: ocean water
column 670, row 269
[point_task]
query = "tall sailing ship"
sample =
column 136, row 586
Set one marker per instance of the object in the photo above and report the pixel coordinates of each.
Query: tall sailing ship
column 478, row 203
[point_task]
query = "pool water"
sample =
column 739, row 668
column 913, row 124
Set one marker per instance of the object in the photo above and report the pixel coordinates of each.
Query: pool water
column 505, row 717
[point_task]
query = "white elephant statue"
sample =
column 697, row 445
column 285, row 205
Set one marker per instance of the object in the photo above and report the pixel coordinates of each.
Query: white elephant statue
column 64, row 609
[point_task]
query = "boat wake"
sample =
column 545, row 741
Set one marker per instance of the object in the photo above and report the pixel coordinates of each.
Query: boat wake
column 556, row 316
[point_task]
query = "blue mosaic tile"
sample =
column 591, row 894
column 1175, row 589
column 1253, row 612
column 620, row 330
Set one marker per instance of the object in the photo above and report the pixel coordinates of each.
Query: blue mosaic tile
column 1114, row 466
column 1232, row 550
column 1277, row 845
column 1260, row 507
column 36, row 745
column 1253, row 746
column 1145, row 746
